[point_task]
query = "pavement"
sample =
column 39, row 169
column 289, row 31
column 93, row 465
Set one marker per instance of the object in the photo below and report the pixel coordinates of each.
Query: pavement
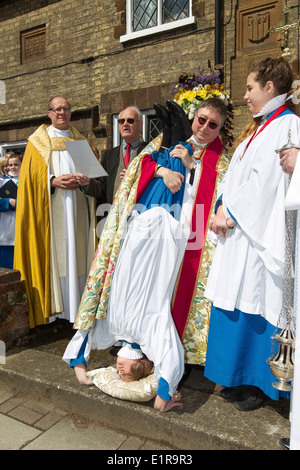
column 43, row 407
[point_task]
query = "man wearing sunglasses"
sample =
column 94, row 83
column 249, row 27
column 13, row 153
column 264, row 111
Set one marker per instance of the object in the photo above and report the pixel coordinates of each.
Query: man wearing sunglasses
column 206, row 126
column 116, row 160
column 157, row 266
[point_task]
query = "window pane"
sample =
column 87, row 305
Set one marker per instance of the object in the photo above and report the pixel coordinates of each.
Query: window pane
column 144, row 14
column 154, row 128
column 174, row 10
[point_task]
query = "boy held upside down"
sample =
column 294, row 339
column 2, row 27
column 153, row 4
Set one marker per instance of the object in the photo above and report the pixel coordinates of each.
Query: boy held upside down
column 139, row 312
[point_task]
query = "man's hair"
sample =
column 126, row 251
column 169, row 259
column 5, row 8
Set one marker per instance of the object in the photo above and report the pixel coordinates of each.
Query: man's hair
column 58, row 96
column 139, row 370
column 216, row 104
column 138, row 112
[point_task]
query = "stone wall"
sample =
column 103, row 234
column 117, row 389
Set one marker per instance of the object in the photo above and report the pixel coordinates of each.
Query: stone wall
column 14, row 325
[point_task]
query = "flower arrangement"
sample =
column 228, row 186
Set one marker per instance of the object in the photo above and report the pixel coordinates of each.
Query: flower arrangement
column 189, row 91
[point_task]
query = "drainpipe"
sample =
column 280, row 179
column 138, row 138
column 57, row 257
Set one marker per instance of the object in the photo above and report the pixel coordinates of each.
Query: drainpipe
column 217, row 31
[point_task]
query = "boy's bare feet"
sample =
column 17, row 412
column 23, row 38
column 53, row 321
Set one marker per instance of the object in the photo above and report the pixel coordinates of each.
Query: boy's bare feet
column 83, row 379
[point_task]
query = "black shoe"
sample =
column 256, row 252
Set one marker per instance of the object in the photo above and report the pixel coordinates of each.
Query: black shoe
column 232, row 393
column 165, row 119
column 181, row 128
column 285, row 443
column 251, row 398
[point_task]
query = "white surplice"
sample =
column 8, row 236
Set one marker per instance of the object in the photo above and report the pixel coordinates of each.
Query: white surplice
column 71, row 283
column 292, row 202
column 247, row 268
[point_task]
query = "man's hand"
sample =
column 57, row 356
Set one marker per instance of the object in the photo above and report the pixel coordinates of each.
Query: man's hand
column 180, row 151
column 122, row 174
column 64, row 182
column 82, row 180
column 165, row 405
column 70, row 182
column 172, row 179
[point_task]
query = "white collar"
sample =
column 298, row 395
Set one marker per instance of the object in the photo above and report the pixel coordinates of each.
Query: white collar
column 271, row 105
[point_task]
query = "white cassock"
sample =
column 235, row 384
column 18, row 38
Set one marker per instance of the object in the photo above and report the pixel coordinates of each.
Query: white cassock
column 292, row 202
column 71, row 283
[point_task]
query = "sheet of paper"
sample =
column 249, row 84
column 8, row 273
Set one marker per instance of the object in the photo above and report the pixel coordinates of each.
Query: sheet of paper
column 84, row 158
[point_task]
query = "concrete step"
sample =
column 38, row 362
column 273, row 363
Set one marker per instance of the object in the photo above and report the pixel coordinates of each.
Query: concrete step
column 205, row 422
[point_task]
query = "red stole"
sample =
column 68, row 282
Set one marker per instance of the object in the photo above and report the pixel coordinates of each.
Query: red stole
column 147, row 172
column 187, row 279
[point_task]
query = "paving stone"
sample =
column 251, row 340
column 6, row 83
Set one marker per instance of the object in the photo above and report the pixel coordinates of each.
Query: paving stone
column 4, row 396
column 14, row 435
column 39, row 407
column 25, row 415
column 154, row 446
column 51, row 418
column 65, row 435
column 132, row 443
column 10, row 404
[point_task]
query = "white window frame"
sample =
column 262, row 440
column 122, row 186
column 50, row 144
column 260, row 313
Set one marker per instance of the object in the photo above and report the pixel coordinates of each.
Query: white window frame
column 155, row 29
column 6, row 146
column 116, row 131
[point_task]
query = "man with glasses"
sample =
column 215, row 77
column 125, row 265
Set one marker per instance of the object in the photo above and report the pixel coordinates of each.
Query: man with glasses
column 55, row 220
column 116, row 160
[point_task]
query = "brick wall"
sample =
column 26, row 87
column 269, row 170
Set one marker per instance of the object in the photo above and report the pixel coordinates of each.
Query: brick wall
column 86, row 62
column 85, row 59
column 14, row 324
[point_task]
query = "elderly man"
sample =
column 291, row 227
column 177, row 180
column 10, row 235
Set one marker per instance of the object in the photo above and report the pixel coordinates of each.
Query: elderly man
column 55, row 220
column 155, row 296
column 116, row 160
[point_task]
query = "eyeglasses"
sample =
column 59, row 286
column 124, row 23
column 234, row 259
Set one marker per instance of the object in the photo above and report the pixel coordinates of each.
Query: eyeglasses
column 129, row 120
column 60, row 110
column 211, row 124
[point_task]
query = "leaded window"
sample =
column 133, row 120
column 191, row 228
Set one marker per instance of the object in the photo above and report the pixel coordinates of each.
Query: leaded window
column 144, row 17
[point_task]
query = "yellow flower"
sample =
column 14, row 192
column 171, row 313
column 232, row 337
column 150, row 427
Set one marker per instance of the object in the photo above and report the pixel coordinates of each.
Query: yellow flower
column 202, row 94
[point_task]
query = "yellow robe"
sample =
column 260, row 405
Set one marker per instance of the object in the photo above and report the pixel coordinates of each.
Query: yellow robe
column 33, row 226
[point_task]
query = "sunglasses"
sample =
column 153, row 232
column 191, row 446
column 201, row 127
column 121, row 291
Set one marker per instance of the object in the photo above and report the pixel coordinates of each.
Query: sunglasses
column 211, row 124
column 129, row 120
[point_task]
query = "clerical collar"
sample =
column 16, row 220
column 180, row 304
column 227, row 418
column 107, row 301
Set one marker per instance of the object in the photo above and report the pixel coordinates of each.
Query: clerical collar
column 61, row 132
column 193, row 140
column 271, row 105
